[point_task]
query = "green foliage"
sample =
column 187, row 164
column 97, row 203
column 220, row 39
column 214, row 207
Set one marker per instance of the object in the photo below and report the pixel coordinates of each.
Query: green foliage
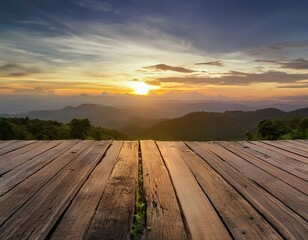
column 272, row 129
column 140, row 208
column 303, row 126
column 26, row 129
column 80, row 128
column 201, row 126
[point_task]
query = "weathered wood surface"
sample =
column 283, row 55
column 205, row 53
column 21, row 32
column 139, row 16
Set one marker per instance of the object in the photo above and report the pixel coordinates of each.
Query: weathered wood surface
column 297, row 168
column 163, row 211
column 294, row 181
column 202, row 219
column 113, row 218
column 242, row 220
column 72, row 225
column 216, row 190
column 283, row 150
column 286, row 221
column 49, row 203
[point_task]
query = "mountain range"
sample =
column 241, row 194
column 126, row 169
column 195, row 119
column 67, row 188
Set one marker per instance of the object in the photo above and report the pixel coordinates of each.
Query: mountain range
column 230, row 125
column 190, row 121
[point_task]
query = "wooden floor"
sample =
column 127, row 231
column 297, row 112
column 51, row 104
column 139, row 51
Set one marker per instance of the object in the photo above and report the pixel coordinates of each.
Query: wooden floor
column 194, row 190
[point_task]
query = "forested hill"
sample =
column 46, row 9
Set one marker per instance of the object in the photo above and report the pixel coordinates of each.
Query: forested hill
column 26, row 129
column 230, row 125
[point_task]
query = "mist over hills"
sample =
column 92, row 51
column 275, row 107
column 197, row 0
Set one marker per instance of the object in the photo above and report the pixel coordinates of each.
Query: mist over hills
column 171, row 121
column 230, row 125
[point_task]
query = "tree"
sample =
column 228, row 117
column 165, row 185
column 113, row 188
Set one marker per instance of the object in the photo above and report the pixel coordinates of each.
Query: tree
column 303, row 126
column 79, row 128
column 272, row 129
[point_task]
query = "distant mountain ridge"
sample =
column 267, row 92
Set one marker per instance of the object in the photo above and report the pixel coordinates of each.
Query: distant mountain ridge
column 151, row 122
column 230, row 125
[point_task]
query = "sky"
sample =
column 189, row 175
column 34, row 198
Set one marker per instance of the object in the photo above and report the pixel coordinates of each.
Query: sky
column 205, row 49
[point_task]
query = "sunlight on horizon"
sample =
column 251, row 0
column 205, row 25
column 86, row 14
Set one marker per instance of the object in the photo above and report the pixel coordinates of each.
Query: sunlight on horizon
column 141, row 88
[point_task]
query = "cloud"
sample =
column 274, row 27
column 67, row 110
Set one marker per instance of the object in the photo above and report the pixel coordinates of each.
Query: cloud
column 214, row 63
column 17, row 70
column 266, row 61
column 153, row 83
column 277, row 48
column 164, row 67
column 293, row 98
column 304, row 85
column 238, row 78
column 296, row 64
column 34, row 91
column 299, row 63
column 284, row 45
column 96, row 5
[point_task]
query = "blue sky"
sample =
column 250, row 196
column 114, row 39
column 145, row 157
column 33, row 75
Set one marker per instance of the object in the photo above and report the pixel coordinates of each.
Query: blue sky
column 239, row 49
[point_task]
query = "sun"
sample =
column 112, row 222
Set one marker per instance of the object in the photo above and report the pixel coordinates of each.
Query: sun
column 141, row 88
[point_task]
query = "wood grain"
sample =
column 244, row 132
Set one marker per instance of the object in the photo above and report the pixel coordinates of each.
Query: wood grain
column 296, row 145
column 163, row 211
column 19, row 195
column 282, row 151
column 281, row 161
column 72, row 226
column 23, row 171
column 289, row 146
column 285, row 193
column 242, row 220
column 11, row 160
column 36, row 218
column 285, row 221
column 201, row 217
column 298, row 183
column 14, row 147
column 113, row 218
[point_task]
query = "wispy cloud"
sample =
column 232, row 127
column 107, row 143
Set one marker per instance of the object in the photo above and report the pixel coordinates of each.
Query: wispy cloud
column 299, row 63
column 293, row 98
column 296, row 64
column 299, row 85
column 164, row 67
column 96, row 5
column 213, row 63
column 285, row 45
column 153, row 82
column 234, row 78
column 17, row 70
column 278, row 49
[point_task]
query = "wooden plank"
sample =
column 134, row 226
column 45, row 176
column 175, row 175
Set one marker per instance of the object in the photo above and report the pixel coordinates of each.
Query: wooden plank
column 294, row 181
column 4, row 144
column 288, row 147
column 14, row 199
column 303, row 141
column 290, row 196
column 163, row 211
column 114, row 216
column 37, row 217
column 72, row 225
column 281, row 151
column 295, row 145
column 23, row 171
column 202, row 220
column 14, row 159
column 286, row 163
column 283, row 219
column 242, row 220
column 300, row 143
column 15, row 146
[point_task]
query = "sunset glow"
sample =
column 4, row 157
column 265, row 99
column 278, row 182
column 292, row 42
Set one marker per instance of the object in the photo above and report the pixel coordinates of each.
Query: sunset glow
column 140, row 88
column 137, row 49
